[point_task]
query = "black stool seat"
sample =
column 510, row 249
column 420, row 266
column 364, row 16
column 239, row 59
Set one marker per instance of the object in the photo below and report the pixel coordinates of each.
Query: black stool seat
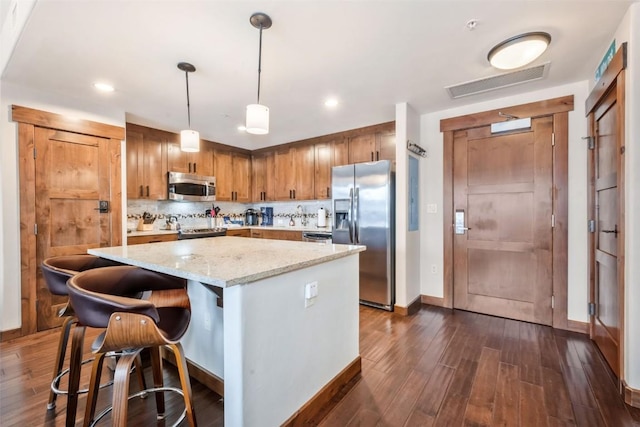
column 101, row 300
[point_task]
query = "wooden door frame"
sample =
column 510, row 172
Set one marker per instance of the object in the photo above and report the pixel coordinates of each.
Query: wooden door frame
column 558, row 108
column 28, row 119
column 612, row 79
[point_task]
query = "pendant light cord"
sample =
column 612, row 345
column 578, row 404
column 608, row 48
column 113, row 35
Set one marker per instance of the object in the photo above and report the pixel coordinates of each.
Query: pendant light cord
column 259, row 63
column 186, row 76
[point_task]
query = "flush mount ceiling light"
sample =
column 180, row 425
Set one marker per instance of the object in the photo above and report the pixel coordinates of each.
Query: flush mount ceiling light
column 103, row 87
column 257, row 114
column 189, row 139
column 331, row 103
column 519, row 50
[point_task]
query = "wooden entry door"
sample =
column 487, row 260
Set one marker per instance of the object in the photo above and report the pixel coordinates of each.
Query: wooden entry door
column 72, row 175
column 502, row 185
column 605, row 108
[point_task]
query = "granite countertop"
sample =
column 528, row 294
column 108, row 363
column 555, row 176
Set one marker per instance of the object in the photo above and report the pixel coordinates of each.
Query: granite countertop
column 245, row 227
column 226, row 261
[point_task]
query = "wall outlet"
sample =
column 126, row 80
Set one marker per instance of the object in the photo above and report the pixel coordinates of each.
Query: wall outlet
column 434, row 269
column 432, row 208
column 310, row 294
column 279, row 221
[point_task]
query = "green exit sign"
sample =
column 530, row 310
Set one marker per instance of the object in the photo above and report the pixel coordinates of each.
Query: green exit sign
column 606, row 60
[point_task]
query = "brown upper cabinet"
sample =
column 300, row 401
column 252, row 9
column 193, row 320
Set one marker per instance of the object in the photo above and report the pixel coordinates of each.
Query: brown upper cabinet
column 200, row 163
column 233, row 172
column 146, row 163
column 327, row 155
column 371, row 147
column 294, row 173
column 262, row 179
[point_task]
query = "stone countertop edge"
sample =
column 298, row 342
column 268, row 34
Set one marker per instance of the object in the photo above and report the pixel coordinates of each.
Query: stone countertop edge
column 226, row 261
column 134, row 233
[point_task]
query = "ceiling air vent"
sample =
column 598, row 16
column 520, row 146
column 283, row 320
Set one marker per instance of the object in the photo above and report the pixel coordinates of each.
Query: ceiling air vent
column 497, row 82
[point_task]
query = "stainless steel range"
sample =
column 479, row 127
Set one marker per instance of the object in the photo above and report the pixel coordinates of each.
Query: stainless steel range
column 197, row 233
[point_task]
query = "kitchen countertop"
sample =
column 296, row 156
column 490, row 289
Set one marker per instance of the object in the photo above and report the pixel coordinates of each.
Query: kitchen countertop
column 227, row 261
column 245, row 227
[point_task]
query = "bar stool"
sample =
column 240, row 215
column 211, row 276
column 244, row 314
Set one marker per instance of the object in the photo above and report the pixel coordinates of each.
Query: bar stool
column 56, row 272
column 131, row 325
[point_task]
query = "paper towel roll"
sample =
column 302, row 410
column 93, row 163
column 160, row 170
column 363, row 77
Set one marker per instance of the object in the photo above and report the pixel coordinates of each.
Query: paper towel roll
column 322, row 218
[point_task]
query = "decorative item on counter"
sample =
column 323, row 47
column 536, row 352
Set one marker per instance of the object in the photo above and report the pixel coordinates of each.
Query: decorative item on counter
column 146, row 222
column 322, row 218
column 292, row 222
column 172, row 223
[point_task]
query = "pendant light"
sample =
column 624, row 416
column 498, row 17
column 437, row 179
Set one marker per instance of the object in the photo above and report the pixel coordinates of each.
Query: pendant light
column 257, row 114
column 518, row 51
column 189, row 139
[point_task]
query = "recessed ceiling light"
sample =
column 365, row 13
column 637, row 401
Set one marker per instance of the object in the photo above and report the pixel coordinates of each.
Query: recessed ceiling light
column 103, row 87
column 518, row 51
column 331, row 103
column 242, row 128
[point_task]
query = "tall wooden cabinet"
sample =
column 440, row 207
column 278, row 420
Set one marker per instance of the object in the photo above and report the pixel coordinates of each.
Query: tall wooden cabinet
column 327, row 155
column 146, row 164
column 294, row 173
column 233, row 172
column 262, row 177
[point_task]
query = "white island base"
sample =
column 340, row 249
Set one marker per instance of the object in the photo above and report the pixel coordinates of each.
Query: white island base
column 274, row 354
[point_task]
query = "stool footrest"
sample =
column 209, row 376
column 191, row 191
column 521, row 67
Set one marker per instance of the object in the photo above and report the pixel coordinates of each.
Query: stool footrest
column 143, row 394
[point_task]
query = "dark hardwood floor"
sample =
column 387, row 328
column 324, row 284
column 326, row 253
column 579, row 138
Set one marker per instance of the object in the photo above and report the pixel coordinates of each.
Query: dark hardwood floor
column 438, row 367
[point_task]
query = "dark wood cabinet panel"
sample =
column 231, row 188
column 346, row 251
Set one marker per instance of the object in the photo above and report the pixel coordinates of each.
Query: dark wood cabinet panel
column 262, row 177
column 277, row 234
column 146, row 165
column 153, row 238
column 232, row 172
column 294, row 173
column 200, row 163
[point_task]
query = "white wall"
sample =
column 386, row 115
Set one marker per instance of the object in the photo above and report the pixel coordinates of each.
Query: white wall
column 407, row 243
column 629, row 31
column 432, row 181
column 10, row 315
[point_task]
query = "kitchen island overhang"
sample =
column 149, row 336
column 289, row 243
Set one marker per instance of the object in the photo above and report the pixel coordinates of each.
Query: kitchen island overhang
column 274, row 350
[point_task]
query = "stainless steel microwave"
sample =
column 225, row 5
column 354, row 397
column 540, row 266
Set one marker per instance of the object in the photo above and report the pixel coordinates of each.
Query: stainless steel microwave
column 186, row 187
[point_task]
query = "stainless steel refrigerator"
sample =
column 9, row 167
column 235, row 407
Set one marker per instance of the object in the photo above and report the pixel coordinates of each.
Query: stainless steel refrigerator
column 364, row 214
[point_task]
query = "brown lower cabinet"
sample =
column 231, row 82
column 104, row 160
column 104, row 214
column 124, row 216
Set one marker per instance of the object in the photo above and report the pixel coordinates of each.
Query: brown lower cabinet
column 245, row 232
column 151, row 238
column 277, row 234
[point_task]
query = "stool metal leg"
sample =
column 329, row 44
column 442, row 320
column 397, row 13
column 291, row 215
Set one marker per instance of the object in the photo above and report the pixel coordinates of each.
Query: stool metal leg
column 62, row 350
column 75, row 364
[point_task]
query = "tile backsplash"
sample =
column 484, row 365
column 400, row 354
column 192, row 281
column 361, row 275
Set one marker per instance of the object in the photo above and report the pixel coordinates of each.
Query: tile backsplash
column 192, row 214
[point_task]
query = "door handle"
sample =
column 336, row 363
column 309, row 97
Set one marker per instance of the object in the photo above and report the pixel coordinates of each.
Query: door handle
column 458, row 224
column 614, row 231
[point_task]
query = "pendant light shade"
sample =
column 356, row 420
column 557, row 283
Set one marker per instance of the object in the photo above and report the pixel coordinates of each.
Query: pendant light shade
column 258, row 115
column 257, row 119
column 519, row 50
column 189, row 139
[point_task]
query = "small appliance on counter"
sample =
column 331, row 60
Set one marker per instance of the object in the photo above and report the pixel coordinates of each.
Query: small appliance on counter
column 267, row 215
column 251, row 217
column 322, row 217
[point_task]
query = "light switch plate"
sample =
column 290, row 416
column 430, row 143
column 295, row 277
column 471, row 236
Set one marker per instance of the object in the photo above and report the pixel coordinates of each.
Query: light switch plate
column 432, row 208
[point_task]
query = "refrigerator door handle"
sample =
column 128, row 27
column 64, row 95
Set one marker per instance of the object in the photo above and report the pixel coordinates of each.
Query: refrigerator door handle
column 356, row 212
column 351, row 215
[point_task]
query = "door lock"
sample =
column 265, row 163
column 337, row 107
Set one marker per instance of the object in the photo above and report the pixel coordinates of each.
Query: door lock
column 459, row 222
column 103, row 206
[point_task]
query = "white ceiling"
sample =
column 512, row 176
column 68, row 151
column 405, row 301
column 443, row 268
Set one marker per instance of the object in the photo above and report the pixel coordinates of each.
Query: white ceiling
column 369, row 54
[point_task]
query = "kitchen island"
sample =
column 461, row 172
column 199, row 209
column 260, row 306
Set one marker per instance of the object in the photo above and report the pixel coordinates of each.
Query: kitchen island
column 276, row 350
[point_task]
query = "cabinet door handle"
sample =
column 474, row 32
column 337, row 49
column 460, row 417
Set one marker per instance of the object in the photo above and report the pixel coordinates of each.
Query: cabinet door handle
column 141, row 190
column 377, row 155
column 372, row 156
column 294, row 194
column 147, row 191
column 328, row 191
column 289, row 193
column 189, row 167
column 195, row 167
